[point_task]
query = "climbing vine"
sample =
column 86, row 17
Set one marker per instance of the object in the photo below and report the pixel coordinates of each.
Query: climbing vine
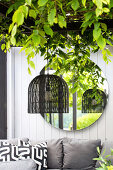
column 33, row 25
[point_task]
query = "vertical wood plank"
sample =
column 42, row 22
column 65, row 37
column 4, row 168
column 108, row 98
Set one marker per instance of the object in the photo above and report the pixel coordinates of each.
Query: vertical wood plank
column 101, row 121
column 18, row 97
column 93, row 129
column 24, row 97
column 109, row 109
column 10, row 93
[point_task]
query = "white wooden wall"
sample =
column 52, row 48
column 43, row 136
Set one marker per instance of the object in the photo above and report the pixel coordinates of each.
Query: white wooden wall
column 22, row 124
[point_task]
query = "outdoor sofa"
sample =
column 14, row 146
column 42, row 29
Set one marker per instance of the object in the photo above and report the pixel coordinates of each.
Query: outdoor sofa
column 65, row 153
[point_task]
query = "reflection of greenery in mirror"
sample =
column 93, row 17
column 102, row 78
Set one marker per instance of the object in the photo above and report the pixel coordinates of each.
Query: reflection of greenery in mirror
column 79, row 83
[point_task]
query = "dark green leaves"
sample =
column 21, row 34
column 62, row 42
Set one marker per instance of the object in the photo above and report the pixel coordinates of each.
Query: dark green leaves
column 75, row 4
column 101, row 42
column 61, row 21
column 51, row 16
column 28, row 2
column 14, row 30
column 96, row 33
column 32, row 13
column 84, row 2
column 32, row 64
column 36, row 39
column 18, row 18
column 48, row 30
column 42, row 2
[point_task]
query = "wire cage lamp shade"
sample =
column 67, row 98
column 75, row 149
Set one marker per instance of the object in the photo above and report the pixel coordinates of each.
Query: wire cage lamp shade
column 48, row 94
column 93, row 101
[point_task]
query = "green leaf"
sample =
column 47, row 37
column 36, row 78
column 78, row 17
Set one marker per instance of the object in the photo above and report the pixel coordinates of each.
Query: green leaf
column 75, row 5
column 32, row 64
column 28, row 50
column 14, row 30
column 104, row 55
column 42, row 41
column 32, row 13
column 3, row 47
column 99, row 4
column 104, row 26
column 96, row 33
column 96, row 25
column 106, row 1
column 84, row 3
column 98, row 150
column 32, row 54
column 29, row 71
column 48, row 30
column 98, row 12
column 88, row 15
column 28, row 2
column 36, row 39
column 11, row 27
column 111, row 4
column 61, row 21
column 101, row 42
column 10, row 9
column 109, row 53
column 35, row 32
column 18, row 17
column 51, row 16
column 13, row 41
column 42, row 2
column 85, row 24
column 108, row 42
column 25, row 10
column 106, row 10
column 8, row 45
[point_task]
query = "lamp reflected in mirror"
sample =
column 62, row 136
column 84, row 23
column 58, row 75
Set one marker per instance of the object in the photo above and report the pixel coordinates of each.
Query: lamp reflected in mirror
column 88, row 98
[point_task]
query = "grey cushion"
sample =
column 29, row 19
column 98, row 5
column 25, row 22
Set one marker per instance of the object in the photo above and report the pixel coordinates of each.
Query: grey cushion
column 107, row 145
column 54, row 153
column 14, row 141
column 18, row 165
column 79, row 154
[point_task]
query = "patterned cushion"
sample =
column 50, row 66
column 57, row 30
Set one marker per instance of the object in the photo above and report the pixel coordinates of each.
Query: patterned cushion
column 13, row 141
column 38, row 153
column 8, row 152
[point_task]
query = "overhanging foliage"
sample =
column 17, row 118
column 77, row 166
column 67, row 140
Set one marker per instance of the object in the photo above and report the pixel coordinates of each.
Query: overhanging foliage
column 33, row 24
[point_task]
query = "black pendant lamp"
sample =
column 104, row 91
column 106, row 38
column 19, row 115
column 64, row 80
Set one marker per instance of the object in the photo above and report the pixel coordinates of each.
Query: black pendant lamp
column 48, row 94
column 93, row 101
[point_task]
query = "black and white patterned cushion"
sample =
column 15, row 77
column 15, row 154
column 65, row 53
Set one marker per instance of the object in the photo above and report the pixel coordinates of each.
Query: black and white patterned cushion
column 38, row 153
column 8, row 152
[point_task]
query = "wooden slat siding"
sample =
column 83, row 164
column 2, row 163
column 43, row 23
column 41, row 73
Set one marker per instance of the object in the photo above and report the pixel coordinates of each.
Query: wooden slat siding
column 3, row 94
column 101, row 122
column 10, row 93
column 18, row 92
column 109, row 109
column 41, row 130
column 25, row 118
column 93, row 131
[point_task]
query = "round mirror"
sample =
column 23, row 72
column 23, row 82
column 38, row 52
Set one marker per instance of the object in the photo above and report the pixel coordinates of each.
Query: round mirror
column 88, row 96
